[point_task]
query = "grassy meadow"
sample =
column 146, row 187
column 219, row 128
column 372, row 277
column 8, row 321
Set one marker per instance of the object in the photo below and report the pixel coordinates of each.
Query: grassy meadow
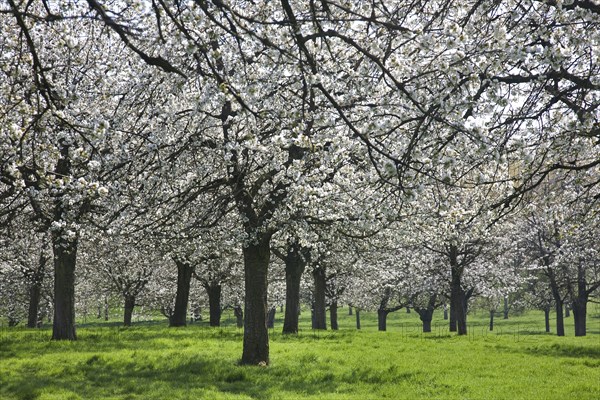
column 151, row 361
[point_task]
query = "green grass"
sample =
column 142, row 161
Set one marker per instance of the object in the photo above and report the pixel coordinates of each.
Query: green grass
column 151, row 361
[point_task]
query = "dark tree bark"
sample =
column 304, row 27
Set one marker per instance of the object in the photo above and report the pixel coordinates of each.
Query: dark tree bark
column 349, row 310
column 128, row 309
column 213, row 289
column 567, row 310
column 560, row 323
column 239, row 316
column 295, row 264
column 184, row 278
column 271, row 317
column 446, row 312
column 65, row 256
column 492, row 312
column 320, row 320
column 357, row 313
column 458, row 298
column 580, row 301
column 382, row 319
column 547, row 318
column 35, row 291
column 506, row 308
column 426, row 314
column 256, row 334
column 106, row 308
column 408, row 309
column 333, row 315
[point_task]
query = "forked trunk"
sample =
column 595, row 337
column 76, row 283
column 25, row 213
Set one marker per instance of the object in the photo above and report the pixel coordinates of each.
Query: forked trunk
column 65, row 256
column 184, row 278
column 256, row 335
column 295, row 264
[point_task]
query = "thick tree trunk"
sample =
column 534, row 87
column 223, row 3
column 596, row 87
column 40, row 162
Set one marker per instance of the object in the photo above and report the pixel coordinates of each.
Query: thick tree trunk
column 580, row 315
column 256, row 334
column 320, row 320
column 426, row 314
column 128, row 309
column 547, row 318
column 382, row 319
column 492, row 312
column 295, row 264
column 357, row 313
column 560, row 323
column 184, row 278
column 271, row 317
column 34, row 304
column 239, row 316
column 214, row 303
column 333, row 315
column 65, row 256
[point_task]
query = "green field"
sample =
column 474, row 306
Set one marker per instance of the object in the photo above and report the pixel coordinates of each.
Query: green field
column 150, row 361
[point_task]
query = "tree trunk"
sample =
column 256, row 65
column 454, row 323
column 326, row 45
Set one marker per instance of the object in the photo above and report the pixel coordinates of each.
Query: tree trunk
column 99, row 315
column 408, row 309
column 492, row 312
column 445, row 312
column 128, row 310
column 184, row 278
column 256, row 334
column 271, row 317
column 214, row 303
column 333, row 316
column 580, row 303
column 106, row 308
column 239, row 316
column 349, row 310
column 320, row 321
column 457, row 295
column 35, row 291
column 547, row 318
column 426, row 314
column 295, row 264
column 560, row 323
column 505, row 307
column 382, row 319
column 579, row 316
column 357, row 313
column 567, row 311
column 65, row 256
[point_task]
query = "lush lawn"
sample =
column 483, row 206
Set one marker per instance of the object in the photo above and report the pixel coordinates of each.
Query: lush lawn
column 150, row 361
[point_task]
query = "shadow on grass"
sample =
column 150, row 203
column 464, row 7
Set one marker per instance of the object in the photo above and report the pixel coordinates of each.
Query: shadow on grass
column 100, row 376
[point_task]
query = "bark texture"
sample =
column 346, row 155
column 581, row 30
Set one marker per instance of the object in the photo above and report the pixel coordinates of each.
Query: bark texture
column 184, row 278
column 256, row 335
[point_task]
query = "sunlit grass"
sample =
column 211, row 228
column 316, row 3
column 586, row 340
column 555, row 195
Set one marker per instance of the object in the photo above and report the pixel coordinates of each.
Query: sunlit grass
column 151, row 361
